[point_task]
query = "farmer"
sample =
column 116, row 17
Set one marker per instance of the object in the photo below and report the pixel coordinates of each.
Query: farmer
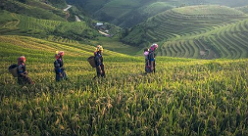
column 22, row 72
column 58, row 66
column 99, row 61
column 151, row 57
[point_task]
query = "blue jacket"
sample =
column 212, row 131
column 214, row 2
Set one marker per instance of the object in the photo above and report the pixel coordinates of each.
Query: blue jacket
column 58, row 64
column 98, row 59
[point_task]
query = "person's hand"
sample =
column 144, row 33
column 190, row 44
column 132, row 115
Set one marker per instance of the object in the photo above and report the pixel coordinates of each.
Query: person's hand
column 60, row 75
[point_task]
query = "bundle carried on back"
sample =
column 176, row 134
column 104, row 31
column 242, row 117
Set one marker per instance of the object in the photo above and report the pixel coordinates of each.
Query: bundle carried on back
column 13, row 70
column 91, row 60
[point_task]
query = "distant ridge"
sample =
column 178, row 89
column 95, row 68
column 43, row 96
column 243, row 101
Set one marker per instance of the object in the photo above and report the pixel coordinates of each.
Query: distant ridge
column 187, row 24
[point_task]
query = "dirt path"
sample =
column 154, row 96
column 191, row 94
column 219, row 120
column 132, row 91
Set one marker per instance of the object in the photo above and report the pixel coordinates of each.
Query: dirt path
column 68, row 7
column 77, row 18
column 103, row 33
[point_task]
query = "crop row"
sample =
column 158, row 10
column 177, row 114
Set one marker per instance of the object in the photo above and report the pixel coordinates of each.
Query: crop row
column 209, row 11
column 181, row 24
column 227, row 41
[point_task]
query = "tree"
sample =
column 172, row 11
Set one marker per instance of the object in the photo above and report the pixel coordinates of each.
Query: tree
column 22, row 1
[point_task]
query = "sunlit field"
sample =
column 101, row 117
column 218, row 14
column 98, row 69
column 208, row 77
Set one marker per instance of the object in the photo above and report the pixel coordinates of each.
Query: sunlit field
column 183, row 97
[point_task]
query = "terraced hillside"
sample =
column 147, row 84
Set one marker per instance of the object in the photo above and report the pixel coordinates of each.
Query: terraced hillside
column 35, row 9
column 225, row 42
column 229, row 3
column 60, row 31
column 129, row 13
column 43, row 47
column 183, row 97
column 243, row 9
column 123, row 13
column 17, row 24
column 195, row 32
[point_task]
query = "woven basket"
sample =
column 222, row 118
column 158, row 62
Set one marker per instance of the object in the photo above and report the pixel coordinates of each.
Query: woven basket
column 92, row 61
column 13, row 70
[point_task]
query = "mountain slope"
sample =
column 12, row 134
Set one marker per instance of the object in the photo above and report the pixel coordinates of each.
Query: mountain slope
column 181, row 31
column 34, row 9
column 183, row 21
column 14, row 45
column 187, row 23
column 122, row 13
column 42, row 28
column 129, row 13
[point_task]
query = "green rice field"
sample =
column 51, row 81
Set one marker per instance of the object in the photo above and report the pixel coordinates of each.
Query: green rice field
column 184, row 97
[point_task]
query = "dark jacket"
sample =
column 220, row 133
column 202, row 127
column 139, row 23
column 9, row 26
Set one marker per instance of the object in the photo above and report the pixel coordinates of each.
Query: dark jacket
column 58, row 65
column 151, row 56
column 99, row 65
column 98, row 59
column 21, row 69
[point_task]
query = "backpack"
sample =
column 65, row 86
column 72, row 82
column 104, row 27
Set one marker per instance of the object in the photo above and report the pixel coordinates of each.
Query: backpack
column 91, row 60
column 13, row 70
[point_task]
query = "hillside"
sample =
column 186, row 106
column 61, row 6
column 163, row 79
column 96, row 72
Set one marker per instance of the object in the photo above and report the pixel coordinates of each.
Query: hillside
column 17, row 24
column 129, row 13
column 188, row 94
column 229, row 3
column 183, row 28
column 122, row 13
column 243, row 9
column 225, row 42
column 34, row 9
column 184, row 96
column 200, row 31
column 179, row 29
column 47, row 20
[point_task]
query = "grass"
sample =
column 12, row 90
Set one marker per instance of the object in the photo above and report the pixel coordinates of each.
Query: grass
column 184, row 96
column 114, row 45
column 34, row 9
column 17, row 24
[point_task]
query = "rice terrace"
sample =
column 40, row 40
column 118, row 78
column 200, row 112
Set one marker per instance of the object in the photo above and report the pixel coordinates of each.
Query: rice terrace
column 200, row 87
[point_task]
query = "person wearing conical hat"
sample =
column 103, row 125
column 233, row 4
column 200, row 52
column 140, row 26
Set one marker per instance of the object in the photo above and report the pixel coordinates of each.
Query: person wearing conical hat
column 59, row 66
column 100, row 71
column 22, row 73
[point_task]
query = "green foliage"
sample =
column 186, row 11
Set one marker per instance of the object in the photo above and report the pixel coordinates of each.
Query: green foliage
column 122, row 13
column 5, row 17
column 184, row 96
column 76, row 30
column 243, row 9
column 41, row 28
column 37, row 10
column 129, row 13
column 58, row 3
